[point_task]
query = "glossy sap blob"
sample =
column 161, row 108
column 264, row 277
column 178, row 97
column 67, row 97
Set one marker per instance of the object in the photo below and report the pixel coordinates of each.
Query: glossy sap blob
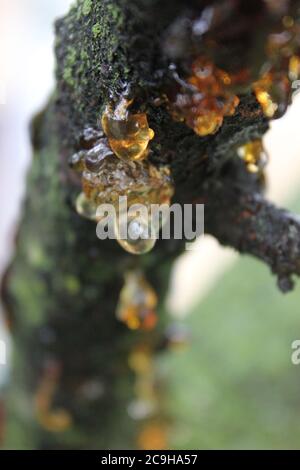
column 140, row 234
column 254, row 156
column 137, row 303
column 128, row 134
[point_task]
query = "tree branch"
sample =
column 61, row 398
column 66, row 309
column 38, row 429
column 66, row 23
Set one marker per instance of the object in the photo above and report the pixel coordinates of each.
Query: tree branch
column 252, row 225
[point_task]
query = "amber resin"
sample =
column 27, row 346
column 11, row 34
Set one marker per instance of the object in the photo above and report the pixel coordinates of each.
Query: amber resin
column 146, row 407
column 112, row 167
column 105, row 179
column 50, row 418
column 273, row 92
column 273, row 89
column 128, row 134
column 206, row 99
column 154, row 436
column 141, row 235
column 218, row 58
column 254, row 156
column 140, row 183
column 137, row 303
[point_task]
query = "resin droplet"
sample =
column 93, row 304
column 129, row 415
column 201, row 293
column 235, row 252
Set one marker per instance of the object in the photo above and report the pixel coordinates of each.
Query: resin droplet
column 205, row 99
column 149, row 398
column 273, row 92
column 52, row 420
column 95, row 156
column 86, row 207
column 223, row 58
column 254, row 155
column 128, row 134
column 294, row 67
column 154, row 436
column 89, row 137
column 140, row 182
column 140, row 360
column 106, row 179
column 76, row 162
column 92, row 158
column 135, row 234
column 145, row 404
column 138, row 302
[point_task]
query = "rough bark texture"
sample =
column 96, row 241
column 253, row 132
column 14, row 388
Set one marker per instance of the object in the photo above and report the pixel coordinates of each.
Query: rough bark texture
column 62, row 288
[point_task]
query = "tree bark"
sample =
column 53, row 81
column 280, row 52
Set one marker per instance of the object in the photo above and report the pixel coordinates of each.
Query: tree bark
column 62, row 288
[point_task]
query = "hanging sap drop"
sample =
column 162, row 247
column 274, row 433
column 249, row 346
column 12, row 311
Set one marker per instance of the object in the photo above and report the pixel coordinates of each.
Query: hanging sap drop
column 273, row 92
column 294, row 68
column 135, row 234
column 86, row 207
column 254, row 156
column 138, row 302
column 128, row 134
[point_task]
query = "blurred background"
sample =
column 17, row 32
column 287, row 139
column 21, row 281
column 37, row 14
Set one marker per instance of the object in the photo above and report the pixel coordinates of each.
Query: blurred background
column 235, row 385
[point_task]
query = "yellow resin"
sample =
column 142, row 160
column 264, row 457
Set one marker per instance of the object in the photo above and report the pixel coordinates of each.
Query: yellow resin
column 268, row 106
column 212, row 100
column 86, row 207
column 138, row 302
column 273, row 92
column 139, row 239
column 52, row 420
column 294, row 67
column 141, row 184
column 254, row 156
column 154, row 436
column 207, row 124
column 128, row 134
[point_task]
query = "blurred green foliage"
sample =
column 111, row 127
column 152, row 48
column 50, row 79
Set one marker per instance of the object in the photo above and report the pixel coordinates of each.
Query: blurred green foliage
column 235, row 387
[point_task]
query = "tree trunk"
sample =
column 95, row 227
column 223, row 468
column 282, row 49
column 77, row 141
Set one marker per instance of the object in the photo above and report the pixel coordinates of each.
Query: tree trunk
column 73, row 375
